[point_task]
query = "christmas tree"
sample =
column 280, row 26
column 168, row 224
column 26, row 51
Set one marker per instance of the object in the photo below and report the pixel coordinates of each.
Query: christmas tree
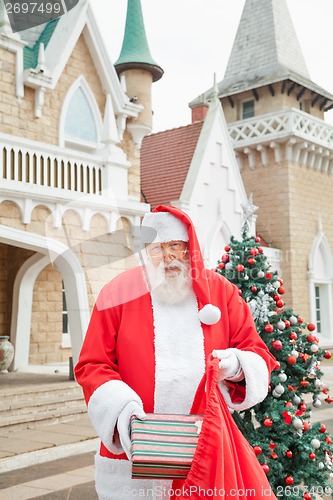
column 295, row 454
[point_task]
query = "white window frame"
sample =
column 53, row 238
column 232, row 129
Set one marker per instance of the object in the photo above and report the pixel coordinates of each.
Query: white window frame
column 325, row 285
column 71, row 142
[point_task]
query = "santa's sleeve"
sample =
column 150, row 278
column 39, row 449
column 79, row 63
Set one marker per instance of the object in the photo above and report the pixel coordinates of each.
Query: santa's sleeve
column 253, row 355
column 97, row 372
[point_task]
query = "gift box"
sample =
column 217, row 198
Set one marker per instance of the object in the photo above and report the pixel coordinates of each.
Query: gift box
column 163, row 445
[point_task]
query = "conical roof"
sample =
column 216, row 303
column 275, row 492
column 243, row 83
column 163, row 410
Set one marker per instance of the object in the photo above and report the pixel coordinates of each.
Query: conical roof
column 265, row 51
column 135, row 51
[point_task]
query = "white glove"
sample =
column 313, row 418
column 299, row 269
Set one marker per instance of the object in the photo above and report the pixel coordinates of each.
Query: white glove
column 124, row 424
column 230, row 368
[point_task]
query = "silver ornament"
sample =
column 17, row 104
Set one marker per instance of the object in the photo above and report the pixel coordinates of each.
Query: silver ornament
column 281, row 325
column 314, row 348
column 317, row 403
column 296, row 400
column 279, row 389
column 297, row 423
column 315, row 443
column 282, row 377
column 293, row 320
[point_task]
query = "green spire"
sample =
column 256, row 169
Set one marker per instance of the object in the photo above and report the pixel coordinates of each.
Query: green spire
column 135, row 53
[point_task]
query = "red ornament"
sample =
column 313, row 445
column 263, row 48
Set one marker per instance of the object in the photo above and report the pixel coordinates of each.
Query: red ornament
column 221, row 265
column 272, row 446
column 260, row 250
column 287, row 323
column 289, row 480
column 281, row 290
column 312, row 456
column 240, row 268
column 227, row 248
column 304, row 383
column 328, row 440
column 281, row 281
column 225, row 258
column 276, row 297
column 277, row 345
column 279, row 303
column 288, row 403
column 293, row 336
column 310, row 338
column 240, row 291
column 324, row 390
column 307, row 496
column 289, row 454
column 268, row 422
column 265, row 468
column 311, row 327
column 302, row 406
column 329, row 399
column 253, row 289
column 254, row 251
column 300, row 320
column 257, row 239
column 291, row 360
column 269, row 328
column 287, row 417
column 257, row 450
column 269, row 276
column 322, row 428
column 251, row 261
column 328, row 355
column 306, row 426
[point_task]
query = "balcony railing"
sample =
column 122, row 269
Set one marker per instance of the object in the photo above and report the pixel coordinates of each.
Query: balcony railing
column 46, row 166
column 279, row 125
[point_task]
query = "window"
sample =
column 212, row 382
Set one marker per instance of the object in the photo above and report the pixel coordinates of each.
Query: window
column 318, row 321
column 66, row 341
column 79, row 122
column 248, row 109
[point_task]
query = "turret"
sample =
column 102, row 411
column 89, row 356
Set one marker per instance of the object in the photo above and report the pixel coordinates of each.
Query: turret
column 137, row 70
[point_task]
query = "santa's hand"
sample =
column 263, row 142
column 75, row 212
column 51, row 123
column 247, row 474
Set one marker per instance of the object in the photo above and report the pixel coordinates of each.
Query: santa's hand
column 230, row 368
column 124, row 424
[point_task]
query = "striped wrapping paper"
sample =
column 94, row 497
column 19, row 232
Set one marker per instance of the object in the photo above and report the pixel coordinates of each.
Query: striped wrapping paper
column 163, row 445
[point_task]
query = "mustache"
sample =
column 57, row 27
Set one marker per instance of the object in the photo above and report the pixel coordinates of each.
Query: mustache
column 175, row 264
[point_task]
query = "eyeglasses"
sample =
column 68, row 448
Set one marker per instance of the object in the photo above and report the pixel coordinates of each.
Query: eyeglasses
column 173, row 249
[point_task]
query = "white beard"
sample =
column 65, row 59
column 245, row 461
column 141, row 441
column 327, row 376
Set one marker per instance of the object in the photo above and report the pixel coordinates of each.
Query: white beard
column 169, row 289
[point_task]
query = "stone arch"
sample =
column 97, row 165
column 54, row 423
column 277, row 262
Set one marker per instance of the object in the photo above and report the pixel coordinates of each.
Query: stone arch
column 47, row 250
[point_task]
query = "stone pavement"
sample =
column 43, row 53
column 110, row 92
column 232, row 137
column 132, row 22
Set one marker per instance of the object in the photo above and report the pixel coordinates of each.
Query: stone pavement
column 56, row 461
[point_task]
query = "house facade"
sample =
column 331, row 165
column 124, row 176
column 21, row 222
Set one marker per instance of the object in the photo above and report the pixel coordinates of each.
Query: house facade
column 69, row 177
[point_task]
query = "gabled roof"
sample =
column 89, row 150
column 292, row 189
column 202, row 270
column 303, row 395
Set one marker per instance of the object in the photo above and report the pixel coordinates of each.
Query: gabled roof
column 165, row 161
column 265, row 51
column 60, row 37
column 30, row 52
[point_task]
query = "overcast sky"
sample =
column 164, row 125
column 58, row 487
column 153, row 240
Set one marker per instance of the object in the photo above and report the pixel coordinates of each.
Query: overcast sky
column 192, row 39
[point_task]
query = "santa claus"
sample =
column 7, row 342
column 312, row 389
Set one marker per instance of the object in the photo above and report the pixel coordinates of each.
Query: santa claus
column 151, row 331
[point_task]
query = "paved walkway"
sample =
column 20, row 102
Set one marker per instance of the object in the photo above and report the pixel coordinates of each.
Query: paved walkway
column 56, row 461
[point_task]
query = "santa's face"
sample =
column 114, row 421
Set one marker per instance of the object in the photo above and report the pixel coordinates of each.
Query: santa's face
column 168, row 269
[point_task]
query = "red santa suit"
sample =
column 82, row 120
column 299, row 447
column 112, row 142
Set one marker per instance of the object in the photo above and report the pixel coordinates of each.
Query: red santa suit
column 138, row 348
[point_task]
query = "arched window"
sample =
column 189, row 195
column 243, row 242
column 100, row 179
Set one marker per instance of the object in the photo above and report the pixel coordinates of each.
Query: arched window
column 320, row 288
column 80, row 125
column 79, row 121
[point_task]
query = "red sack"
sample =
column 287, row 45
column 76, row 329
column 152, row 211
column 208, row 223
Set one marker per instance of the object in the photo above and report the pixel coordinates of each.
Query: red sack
column 224, row 464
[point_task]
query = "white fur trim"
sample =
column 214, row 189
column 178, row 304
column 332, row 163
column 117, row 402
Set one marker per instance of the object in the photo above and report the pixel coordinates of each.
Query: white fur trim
column 179, row 354
column 166, row 225
column 256, row 380
column 209, row 314
column 114, row 482
column 104, row 407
